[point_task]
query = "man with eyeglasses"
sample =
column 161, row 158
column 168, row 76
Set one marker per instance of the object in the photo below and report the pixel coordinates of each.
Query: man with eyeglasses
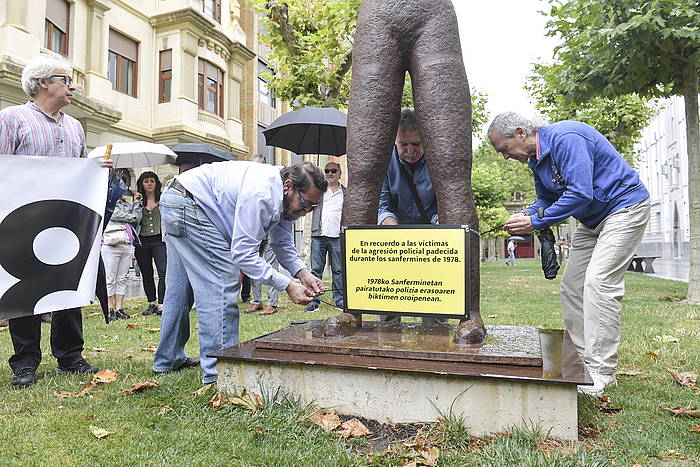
column 407, row 195
column 214, row 217
column 325, row 235
column 40, row 128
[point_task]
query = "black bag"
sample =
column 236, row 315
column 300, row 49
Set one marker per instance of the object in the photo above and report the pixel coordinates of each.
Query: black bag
column 550, row 266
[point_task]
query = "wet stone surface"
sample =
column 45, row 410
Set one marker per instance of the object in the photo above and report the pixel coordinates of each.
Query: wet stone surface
column 511, row 345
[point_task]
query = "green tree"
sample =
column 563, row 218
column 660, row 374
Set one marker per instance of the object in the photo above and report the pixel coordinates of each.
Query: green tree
column 490, row 191
column 651, row 48
column 311, row 53
column 620, row 119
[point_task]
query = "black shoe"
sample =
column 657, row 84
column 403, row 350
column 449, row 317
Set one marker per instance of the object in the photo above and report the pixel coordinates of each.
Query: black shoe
column 311, row 307
column 24, row 377
column 79, row 366
column 158, row 312
column 121, row 315
column 189, row 362
column 111, row 315
column 151, row 310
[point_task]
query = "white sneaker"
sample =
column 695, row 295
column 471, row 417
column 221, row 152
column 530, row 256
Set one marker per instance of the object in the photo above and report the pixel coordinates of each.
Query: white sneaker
column 599, row 384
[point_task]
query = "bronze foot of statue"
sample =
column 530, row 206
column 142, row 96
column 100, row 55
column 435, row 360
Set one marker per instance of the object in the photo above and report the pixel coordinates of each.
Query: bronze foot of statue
column 341, row 325
column 471, row 331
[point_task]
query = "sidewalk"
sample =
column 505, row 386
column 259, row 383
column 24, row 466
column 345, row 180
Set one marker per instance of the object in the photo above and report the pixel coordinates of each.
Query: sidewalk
column 673, row 269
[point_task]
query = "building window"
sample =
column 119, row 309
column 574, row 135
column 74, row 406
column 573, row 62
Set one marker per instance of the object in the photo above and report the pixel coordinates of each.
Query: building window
column 166, row 75
column 122, row 68
column 211, row 88
column 212, row 8
column 56, row 26
column 265, row 94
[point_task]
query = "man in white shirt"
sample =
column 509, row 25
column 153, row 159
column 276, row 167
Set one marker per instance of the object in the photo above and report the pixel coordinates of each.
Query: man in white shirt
column 511, row 253
column 214, row 218
column 325, row 234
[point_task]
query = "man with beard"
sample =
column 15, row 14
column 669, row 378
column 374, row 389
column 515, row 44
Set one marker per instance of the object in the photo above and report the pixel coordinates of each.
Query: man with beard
column 214, row 218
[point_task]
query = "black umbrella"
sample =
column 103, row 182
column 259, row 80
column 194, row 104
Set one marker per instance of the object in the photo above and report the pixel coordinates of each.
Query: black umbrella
column 550, row 266
column 311, row 130
column 200, row 153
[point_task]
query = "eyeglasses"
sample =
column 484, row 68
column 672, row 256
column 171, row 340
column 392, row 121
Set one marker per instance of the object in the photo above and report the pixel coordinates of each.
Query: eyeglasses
column 330, row 171
column 67, row 80
column 305, row 203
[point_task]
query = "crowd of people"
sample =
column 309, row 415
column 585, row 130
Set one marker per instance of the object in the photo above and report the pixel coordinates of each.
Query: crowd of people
column 215, row 224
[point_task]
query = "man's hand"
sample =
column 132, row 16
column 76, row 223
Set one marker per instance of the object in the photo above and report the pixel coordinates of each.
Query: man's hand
column 390, row 221
column 519, row 223
column 311, row 282
column 109, row 163
column 299, row 294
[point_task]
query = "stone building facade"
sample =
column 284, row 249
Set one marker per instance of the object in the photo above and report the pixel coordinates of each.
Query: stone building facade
column 163, row 71
column 663, row 168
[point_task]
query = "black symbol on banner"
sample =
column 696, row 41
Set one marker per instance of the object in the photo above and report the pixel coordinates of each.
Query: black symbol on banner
column 36, row 278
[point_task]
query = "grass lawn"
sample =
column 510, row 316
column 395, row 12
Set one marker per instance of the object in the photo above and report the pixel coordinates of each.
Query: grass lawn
column 172, row 425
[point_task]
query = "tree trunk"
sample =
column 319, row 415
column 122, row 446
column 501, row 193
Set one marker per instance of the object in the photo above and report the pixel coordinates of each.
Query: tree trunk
column 692, row 128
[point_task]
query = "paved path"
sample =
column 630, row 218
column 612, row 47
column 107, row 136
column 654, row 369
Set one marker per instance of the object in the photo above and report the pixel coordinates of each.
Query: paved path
column 674, row 269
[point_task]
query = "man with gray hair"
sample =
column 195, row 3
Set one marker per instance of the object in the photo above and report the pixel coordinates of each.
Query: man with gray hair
column 407, row 175
column 578, row 173
column 40, row 128
column 407, row 195
column 214, row 217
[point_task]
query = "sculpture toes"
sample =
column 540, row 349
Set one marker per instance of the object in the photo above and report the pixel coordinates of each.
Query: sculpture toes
column 341, row 325
column 469, row 332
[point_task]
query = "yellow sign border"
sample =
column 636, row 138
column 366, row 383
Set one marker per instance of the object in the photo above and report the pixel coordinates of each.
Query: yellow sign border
column 466, row 305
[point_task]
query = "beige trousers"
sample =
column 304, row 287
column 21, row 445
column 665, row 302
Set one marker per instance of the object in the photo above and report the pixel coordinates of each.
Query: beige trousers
column 593, row 284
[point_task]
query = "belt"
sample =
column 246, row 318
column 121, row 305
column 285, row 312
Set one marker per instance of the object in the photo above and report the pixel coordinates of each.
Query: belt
column 177, row 186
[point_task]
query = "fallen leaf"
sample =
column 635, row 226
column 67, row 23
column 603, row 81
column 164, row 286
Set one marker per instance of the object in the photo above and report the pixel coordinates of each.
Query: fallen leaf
column 105, row 376
column 98, row 349
column 252, row 402
column 132, row 325
column 354, row 428
column 652, row 355
column 411, row 464
column 138, row 387
column 153, row 329
column 492, row 316
column 681, row 411
column 217, row 401
column 4, row 328
column 688, row 379
column 666, row 339
column 604, row 403
column 99, row 432
column 105, row 336
column 90, row 417
column 696, row 429
column 204, row 389
column 150, row 348
column 429, row 456
column 165, row 409
column 329, row 421
column 628, row 372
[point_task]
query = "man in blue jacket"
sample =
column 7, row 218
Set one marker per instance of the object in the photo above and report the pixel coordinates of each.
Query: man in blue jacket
column 397, row 205
column 578, row 173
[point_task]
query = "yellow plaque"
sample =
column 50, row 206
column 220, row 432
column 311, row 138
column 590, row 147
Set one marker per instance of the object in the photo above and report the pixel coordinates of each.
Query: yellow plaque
column 414, row 270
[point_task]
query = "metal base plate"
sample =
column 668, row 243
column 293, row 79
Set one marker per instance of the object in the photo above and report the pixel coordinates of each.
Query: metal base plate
column 507, row 345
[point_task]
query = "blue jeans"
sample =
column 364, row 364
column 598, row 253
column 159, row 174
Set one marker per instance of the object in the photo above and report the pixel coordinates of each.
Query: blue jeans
column 511, row 258
column 198, row 256
column 320, row 246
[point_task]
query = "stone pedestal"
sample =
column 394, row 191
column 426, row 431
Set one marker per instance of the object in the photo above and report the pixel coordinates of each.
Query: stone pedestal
column 489, row 396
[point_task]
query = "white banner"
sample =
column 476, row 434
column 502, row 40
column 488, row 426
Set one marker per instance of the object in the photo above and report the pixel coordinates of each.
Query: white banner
column 51, row 211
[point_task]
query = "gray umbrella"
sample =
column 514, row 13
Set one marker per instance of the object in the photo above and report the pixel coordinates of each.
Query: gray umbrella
column 200, row 153
column 517, row 238
column 311, row 130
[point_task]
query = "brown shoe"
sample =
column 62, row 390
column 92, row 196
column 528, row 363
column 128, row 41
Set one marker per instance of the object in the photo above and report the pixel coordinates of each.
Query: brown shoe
column 253, row 308
column 269, row 310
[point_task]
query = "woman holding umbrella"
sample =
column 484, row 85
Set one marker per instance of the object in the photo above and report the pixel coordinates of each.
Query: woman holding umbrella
column 151, row 247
